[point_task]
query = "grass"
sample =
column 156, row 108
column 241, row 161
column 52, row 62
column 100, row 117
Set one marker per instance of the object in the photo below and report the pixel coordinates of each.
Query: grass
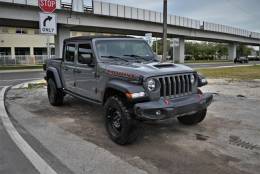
column 235, row 73
column 20, row 67
column 208, row 61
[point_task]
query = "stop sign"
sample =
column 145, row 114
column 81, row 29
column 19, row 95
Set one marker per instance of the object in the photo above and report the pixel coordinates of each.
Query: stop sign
column 47, row 6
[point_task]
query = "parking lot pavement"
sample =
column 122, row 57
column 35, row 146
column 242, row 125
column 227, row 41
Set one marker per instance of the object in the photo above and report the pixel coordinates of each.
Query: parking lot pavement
column 13, row 78
column 228, row 141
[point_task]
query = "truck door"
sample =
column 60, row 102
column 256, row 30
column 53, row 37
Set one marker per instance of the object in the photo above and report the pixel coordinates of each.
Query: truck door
column 68, row 66
column 85, row 71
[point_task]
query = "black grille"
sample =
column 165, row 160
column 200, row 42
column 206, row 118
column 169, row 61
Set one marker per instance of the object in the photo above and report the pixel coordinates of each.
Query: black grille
column 175, row 85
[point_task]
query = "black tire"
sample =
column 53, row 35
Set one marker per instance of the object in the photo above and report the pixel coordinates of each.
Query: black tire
column 55, row 95
column 121, row 128
column 193, row 119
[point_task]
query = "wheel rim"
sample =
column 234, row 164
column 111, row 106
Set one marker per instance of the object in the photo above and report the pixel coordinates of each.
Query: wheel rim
column 114, row 117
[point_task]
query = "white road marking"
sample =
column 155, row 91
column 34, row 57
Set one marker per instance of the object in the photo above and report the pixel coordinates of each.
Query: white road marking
column 27, row 150
column 11, row 80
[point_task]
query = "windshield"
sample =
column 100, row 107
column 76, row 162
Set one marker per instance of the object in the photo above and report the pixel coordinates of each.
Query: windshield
column 126, row 49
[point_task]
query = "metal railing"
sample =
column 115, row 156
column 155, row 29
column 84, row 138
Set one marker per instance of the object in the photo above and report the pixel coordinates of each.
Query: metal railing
column 67, row 5
column 6, row 60
column 122, row 11
column 116, row 10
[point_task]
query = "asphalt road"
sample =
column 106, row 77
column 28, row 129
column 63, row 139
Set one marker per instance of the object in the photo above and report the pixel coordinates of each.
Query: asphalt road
column 12, row 160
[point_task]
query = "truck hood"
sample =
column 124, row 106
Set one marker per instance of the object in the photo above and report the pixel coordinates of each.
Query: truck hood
column 148, row 70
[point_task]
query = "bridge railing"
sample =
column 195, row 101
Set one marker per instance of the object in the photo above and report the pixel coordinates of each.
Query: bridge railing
column 229, row 30
column 116, row 10
column 122, row 11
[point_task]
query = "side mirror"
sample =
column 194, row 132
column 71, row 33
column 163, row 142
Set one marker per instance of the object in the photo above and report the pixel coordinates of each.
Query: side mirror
column 202, row 81
column 86, row 58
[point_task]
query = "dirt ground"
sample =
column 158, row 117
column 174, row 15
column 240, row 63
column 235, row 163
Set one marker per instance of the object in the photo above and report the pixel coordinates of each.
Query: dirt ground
column 228, row 141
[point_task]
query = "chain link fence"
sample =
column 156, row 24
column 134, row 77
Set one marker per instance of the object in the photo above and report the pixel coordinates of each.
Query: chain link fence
column 7, row 60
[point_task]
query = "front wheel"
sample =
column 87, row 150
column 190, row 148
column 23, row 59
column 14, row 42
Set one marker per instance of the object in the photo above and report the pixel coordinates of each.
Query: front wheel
column 55, row 95
column 194, row 118
column 122, row 129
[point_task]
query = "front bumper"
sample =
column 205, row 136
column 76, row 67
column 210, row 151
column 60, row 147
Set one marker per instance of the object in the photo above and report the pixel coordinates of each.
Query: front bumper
column 169, row 108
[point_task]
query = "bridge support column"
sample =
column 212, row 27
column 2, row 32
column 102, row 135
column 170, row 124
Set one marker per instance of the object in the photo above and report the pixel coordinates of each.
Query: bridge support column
column 179, row 50
column 31, row 51
column 13, row 52
column 62, row 33
column 232, row 51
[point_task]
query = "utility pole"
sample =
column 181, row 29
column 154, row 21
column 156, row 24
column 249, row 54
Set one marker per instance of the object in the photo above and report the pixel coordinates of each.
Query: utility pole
column 164, row 57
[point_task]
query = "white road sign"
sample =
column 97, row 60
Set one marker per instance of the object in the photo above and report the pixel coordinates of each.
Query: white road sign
column 148, row 38
column 48, row 23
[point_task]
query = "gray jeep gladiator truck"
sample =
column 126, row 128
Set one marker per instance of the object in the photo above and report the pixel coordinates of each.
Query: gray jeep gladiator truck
column 123, row 75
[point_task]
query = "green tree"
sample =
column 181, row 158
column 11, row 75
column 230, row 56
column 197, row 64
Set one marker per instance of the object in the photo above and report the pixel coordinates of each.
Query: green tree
column 205, row 50
column 243, row 50
column 160, row 46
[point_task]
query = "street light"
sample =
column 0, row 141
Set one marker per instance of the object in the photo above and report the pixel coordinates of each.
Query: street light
column 164, row 31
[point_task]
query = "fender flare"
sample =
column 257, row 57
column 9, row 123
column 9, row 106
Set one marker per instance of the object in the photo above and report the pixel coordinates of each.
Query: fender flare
column 55, row 75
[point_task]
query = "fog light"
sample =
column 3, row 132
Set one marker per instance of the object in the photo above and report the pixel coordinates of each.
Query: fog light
column 135, row 95
column 203, row 80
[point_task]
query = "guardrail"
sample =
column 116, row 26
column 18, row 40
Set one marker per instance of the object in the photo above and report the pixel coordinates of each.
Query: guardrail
column 116, row 10
column 23, row 59
column 229, row 30
column 122, row 11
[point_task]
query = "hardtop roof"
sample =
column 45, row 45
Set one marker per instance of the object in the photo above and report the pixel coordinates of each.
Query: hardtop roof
column 84, row 38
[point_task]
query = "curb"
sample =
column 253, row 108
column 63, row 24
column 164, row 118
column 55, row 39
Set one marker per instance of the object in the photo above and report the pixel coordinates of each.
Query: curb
column 26, row 149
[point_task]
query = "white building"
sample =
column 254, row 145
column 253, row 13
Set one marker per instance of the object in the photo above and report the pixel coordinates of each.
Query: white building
column 23, row 41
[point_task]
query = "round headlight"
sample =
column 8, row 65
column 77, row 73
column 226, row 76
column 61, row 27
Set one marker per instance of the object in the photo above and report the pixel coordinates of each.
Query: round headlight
column 151, row 84
column 192, row 79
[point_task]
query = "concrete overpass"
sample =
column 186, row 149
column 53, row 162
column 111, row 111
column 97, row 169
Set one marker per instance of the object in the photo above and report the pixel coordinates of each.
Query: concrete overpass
column 119, row 19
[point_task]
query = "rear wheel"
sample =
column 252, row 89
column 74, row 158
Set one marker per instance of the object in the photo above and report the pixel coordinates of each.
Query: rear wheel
column 122, row 129
column 55, row 95
column 194, row 118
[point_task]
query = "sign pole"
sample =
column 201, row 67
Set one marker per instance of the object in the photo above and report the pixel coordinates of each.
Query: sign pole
column 164, row 31
column 47, row 21
column 48, row 47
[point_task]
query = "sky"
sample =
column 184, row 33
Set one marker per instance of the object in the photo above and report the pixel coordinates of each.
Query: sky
column 244, row 14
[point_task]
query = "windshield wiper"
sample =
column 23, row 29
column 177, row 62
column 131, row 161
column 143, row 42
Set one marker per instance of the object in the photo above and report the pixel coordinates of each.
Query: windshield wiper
column 132, row 55
column 114, row 57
